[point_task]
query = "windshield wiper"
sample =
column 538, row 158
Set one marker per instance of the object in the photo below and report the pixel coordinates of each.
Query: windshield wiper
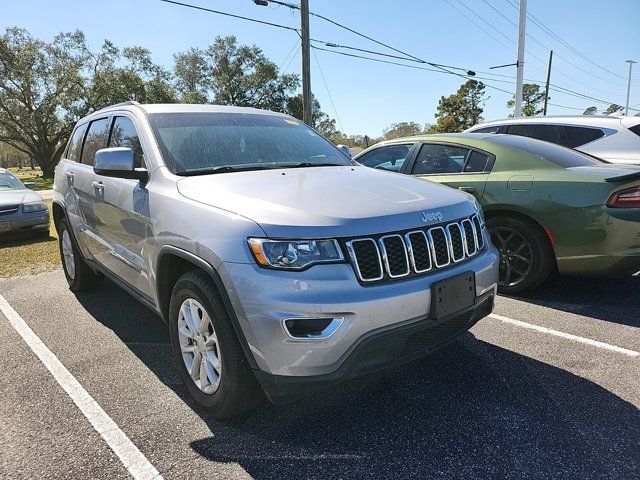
column 310, row 164
column 221, row 169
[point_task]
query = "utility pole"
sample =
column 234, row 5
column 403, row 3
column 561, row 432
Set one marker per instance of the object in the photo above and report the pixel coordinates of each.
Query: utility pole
column 546, row 88
column 630, row 62
column 520, row 71
column 306, row 64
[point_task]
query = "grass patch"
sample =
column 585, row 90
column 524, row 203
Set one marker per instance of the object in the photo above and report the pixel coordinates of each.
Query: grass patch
column 28, row 256
column 27, row 175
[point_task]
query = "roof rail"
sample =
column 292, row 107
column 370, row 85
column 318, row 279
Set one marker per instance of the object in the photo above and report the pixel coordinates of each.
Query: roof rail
column 121, row 104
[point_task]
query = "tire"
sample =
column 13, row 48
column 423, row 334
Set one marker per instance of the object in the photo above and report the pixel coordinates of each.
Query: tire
column 518, row 238
column 79, row 275
column 228, row 387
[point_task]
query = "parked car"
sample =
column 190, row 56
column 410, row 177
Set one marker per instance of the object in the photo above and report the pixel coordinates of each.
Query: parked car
column 22, row 211
column 613, row 138
column 279, row 264
column 548, row 208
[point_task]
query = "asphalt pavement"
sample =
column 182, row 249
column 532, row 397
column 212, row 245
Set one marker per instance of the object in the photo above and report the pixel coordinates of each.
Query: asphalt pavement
column 505, row 401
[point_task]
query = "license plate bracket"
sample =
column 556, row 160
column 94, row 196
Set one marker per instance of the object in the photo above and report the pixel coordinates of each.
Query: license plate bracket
column 453, row 295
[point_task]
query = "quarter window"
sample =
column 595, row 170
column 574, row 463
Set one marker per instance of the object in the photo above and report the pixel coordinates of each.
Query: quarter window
column 75, row 146
column 548, row 133
column 476, row 163
column 96, row 139
column 391, row 157
column 124, row 134
column 434, row 158
column 577, row 136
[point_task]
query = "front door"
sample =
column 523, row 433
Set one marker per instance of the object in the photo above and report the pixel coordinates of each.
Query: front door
column 122, row 210
column 454, row 165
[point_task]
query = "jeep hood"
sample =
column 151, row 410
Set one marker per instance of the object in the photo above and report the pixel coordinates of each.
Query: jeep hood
column 327, row 201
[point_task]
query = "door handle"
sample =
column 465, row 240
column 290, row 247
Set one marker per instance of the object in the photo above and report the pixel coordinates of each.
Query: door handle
column 98, row 186
column 468, row 189
column 70, row 177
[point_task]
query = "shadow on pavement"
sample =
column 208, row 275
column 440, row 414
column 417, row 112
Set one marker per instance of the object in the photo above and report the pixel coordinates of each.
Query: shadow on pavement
column 472, row 410
column 610, row 299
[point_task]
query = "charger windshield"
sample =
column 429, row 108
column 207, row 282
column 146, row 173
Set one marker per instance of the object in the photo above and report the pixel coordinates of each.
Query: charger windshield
column 203, row 143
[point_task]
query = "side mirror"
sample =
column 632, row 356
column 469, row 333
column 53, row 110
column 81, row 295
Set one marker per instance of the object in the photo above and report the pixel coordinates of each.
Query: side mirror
column 118, row 162
column 345, row 149
column 30, row 185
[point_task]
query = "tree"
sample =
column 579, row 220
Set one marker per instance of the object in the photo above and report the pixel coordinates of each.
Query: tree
column 613, row 109
column 402, row 129
column 461, row 110
column 532, row 100
column 241, row 75
column 590, row 111
column 192, row 76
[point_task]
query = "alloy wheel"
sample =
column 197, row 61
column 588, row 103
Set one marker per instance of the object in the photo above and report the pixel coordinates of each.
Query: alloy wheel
column 516, row 255
column 199, row 346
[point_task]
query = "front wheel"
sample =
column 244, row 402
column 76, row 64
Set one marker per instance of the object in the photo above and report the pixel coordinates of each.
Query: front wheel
column 210, row 359
column 526, row 257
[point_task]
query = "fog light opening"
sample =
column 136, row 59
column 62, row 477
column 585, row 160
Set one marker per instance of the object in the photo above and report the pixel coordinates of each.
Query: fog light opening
column 311, row 328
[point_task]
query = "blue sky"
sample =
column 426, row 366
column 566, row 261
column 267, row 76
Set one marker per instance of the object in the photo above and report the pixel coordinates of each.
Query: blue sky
column 369, row 96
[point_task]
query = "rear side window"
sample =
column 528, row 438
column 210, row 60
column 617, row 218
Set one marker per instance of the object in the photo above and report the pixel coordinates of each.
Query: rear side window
column 635, row 129
column 477, row 162
column 390, row 158
column 548, row 133
column 75, row 145
column 434, row 158
column 95, row 140
column 124, row 134
column 577, row 136
column 493, row 129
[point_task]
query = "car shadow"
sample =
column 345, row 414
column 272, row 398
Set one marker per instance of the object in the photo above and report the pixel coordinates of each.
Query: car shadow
column 19, row 239
column 472, row 410
column 610, row 299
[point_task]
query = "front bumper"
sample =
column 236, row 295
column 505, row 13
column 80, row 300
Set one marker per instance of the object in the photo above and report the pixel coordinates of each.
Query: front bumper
column 382, row 349
column 262, row 299
column 24, row 222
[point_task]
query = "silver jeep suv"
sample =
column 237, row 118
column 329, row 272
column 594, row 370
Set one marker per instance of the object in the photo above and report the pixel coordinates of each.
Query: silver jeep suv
column 279, row 264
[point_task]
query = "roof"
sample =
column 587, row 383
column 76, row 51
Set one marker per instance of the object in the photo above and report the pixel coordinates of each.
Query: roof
column 588, row 120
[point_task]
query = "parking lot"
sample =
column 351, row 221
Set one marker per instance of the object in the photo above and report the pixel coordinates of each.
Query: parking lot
column 505, row 401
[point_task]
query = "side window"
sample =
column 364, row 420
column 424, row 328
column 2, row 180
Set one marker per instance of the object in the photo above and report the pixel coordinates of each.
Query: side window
column 493, row 129
column 75, row 145
column 96, row 139
column 548, row 133
column 391, row 157
column 577, row 136
column 124, row 134
column 477, row 162
column 434, row 158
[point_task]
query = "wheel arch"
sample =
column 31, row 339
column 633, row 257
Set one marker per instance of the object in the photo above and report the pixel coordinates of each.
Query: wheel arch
column 58, row 213
column 172, row 263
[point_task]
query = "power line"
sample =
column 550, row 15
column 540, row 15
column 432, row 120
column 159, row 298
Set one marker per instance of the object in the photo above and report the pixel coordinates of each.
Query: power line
column 335, row 110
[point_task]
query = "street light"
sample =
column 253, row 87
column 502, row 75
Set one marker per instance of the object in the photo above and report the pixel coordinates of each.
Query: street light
column 630, row 62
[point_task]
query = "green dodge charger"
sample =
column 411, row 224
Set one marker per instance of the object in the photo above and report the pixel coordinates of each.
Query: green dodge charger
column 548, row 208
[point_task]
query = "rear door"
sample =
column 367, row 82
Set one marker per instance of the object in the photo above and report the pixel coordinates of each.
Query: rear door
column 457, row 166
column 122, row 212
column 80, row 176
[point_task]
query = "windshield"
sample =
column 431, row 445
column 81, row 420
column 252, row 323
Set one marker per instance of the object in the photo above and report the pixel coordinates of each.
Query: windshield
column 9, row 182
column 193, row 143
column 561, row 156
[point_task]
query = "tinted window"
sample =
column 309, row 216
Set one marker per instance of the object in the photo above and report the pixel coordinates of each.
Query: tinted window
column 577, row 136
column 124, row 134
column 635, row 129
column 9, row 182
column 477, row 162
column 548, row 133
column 201, row 141
column 440, row 159
column 562, row 156
column 493, row 129
column 391, row 157
column 95, row 140
column 75, row 145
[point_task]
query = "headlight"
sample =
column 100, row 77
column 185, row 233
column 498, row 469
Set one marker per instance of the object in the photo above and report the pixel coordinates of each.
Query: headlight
column 33, row 207
column 480, row 213
column 294, row 254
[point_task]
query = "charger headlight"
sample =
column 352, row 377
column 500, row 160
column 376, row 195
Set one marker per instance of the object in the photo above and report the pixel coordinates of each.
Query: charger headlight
column 294, row 254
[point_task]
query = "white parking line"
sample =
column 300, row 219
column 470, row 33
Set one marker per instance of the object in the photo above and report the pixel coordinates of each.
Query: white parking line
column 568, row 336
column 132, row 458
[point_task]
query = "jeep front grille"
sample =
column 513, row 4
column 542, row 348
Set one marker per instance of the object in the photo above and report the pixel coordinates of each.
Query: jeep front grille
column 415, row 252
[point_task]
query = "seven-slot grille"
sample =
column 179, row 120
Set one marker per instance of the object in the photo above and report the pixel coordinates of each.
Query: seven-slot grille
column 418, row 251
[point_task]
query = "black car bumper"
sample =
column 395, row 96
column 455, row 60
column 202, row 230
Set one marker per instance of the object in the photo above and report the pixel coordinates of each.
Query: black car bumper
column 381, row 350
